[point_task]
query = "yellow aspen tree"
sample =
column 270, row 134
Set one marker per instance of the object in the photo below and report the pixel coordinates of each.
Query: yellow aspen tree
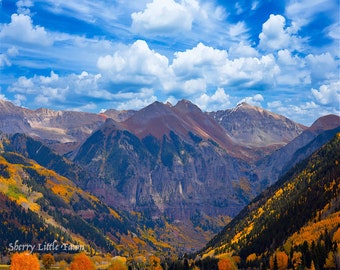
column 281, row 259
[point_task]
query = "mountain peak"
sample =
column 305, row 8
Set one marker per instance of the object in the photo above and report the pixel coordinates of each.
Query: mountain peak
column 256, row 127
column 326, row 122
column 187, row 106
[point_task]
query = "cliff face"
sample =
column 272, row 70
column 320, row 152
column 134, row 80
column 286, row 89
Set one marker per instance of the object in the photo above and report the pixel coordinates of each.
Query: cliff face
column 176, row 165
column 257, row 128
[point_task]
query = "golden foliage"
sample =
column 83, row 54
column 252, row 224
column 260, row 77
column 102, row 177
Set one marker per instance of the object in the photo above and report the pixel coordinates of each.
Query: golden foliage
column 82, row 262
column 226, row 264
column 336, row 236
column 312, row 231
column 48, row 260
column 24, row 261
column 252, row 257
column 296, row 259
column 330, row 261
column 119, row 263
column 281, row 259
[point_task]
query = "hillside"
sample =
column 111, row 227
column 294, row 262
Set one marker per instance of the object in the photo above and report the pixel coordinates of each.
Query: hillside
column 34, row 197
column 174, row 172
column 300, row 213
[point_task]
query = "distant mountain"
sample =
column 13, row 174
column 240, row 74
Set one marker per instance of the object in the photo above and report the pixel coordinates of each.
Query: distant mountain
column 117, row 115
column 61, row 130
column 185, row 172
column 257, row 128
column 167, row 161
column 270, row 168
column 298, row 216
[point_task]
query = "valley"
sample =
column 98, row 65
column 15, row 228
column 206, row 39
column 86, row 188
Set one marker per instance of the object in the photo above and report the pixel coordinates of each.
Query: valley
column 168, row 179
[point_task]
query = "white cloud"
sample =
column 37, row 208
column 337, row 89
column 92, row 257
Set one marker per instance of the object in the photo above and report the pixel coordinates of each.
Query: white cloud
column 238, row 31
column 215, row 102
column 164, row 16
column 303, row 11
column 136, row 103
column 191, row 73
column 242, row 50
column 200, row 61
column 53, row 89
column 323, row 67
column 24, row 6
column 21, row 29
column 136, row 63
column 328, row 94
column 250, row 71
column 254, row 100
column 274, row 35
column 293, row 69
column 255, row 5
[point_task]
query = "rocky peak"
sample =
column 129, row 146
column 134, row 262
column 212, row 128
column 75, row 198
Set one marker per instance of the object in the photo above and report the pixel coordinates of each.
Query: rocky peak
column 256, row 127
column 186, row 106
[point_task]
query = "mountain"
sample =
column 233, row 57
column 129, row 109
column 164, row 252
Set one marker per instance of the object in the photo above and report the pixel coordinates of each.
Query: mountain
column 118, row 115
column 167, row 161
column 165, row 178
column 257, row 128
column 270, row 168
column 34, row 197
column 61, row 130
column 185, row 172
column 298, row 216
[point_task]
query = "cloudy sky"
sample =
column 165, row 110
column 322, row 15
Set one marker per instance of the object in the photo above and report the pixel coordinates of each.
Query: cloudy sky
column 94, row 55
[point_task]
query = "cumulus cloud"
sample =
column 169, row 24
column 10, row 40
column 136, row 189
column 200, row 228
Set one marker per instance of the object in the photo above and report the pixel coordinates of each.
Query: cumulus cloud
column 219, row 99
column 24, row 6
column 200, row 61
column 136, row 63
column 242, row 50
column 191, row 73
column 138, row 100
column 164, row 16
column 329, row 66
column 54, row 89
column 273, row 35
column 328, row 94
column 253, row 100
column 21, row 29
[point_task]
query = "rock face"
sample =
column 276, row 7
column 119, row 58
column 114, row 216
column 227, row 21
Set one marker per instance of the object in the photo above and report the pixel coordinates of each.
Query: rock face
column 177, row 162
column 257, row 128
column 61, row 130
column 174, row 164
column 270, row 168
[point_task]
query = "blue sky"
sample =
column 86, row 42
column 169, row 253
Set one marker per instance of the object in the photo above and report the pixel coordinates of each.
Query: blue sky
column 96, row 55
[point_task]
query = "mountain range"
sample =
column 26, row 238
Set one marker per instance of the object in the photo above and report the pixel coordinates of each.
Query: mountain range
column 173, row 174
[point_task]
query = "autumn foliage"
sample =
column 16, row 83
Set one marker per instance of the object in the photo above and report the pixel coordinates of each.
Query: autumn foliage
column 48, row 260
column 226, row 264
column 118, row 264
column 279, row 260
column 82, row 262
column 24, row 261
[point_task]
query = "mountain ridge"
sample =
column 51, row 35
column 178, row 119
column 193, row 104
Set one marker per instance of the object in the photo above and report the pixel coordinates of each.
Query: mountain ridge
column 272, row 222
column 166, row 161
